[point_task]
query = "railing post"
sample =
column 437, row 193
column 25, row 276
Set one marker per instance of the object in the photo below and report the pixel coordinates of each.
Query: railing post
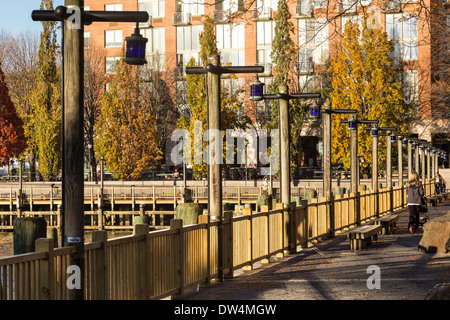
column 290, row 224
column 46, row 276
column 143, row 262
column 248, row 212
column 207, row 245
column 179, row 256
column 101, row 272
column 227, row 244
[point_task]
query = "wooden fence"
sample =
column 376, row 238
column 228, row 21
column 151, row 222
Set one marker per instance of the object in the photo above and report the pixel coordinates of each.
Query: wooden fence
column 157, row 264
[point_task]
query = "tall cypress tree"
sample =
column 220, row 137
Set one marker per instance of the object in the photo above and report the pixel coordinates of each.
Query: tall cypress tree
column 47, row 101
column 284, row 53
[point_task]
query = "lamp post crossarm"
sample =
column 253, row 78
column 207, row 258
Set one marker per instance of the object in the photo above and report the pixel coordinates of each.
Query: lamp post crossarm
column 340, row 111
column 224, row 69
column 90, row 16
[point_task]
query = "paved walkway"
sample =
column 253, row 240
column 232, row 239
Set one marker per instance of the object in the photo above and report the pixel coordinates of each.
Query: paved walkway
column 331, row 271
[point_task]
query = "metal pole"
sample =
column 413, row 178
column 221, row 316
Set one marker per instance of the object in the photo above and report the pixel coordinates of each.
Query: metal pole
column 374, row 159
column 375, row 167
column 354, row 157
column 283, row 113
column 326, row 118
column 428, row 163
column 409, row 146
column 416, row 160
column 388, row 161
column 214, row 168
column 327, row 182
column 74, row 146
column 400, row 161
column 423, row 165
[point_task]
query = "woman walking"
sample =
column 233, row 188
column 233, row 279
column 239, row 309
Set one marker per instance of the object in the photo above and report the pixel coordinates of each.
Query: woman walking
column 414, row 192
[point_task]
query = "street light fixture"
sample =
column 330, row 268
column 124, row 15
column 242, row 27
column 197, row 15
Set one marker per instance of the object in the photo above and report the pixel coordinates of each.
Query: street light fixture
column 283, row 97
column 135, row 52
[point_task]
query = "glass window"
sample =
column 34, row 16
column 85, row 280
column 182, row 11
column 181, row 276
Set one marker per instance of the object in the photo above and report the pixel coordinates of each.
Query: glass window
column 410, row 86
column 113, row 38
column 110, row 64
column 87, row 39
column 402, row 30
column 113, row 7
column 231, row 43
column 155, row 8
column 194, row 7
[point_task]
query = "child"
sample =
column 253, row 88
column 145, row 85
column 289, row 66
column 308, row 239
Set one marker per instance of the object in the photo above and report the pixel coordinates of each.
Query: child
column 414, row 192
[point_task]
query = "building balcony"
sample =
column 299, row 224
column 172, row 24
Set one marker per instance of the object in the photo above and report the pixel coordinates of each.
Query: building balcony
column 180, row 18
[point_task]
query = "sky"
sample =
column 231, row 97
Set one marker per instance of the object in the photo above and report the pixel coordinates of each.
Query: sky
column 15, row 15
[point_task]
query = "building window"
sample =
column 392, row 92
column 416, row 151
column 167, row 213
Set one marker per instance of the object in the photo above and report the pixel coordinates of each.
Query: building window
column 402, row 30
column 313, row 41
column 113, row 7
column 110, row 64
column 306, row 83
column 264, row 36
column 188, row 44
column 156, row 48
column 87, row 39
column 410, row 86
column 194, row 7
column 155, row 8
column 231, row 43
column 113, row 38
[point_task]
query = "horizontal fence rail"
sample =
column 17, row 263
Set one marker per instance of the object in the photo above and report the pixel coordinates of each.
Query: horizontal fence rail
column 162, row 263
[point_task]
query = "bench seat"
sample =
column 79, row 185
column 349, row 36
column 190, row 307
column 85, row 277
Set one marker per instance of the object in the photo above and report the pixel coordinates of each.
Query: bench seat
column 388, row 223
column 363, row 236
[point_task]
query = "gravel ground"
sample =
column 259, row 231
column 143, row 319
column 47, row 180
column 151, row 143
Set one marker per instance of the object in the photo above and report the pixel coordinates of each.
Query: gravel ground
column 331, row 271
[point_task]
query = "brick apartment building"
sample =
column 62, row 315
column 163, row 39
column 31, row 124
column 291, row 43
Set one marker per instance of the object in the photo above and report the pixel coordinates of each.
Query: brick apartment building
column 175, row 25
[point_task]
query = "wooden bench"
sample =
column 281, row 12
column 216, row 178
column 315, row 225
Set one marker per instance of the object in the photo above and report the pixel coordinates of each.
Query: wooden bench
column 387, row 223
column 363, row 236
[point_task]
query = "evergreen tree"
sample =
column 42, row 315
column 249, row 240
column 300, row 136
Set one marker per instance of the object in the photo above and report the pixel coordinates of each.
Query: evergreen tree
column 126, row 133
column 12, row 137
column 283, row 56
column 46, row 102
column 363, row 79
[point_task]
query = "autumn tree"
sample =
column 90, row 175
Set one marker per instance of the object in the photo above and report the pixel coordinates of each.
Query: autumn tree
column 95, row 81
column 363, row 79
column 196, row 96
column 21, row 59
column 46, row 101
column 126, row 133
column 160, row 85
column 12, row 137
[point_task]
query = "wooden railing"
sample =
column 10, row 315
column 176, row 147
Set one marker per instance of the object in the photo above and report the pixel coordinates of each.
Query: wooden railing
column 157, row 264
